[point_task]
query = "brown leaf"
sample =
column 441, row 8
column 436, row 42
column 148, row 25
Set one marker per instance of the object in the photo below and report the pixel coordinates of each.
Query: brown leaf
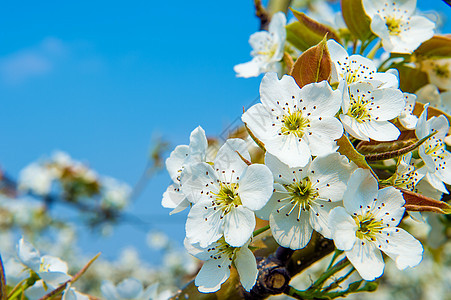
column 314, row 65
column 418, row 202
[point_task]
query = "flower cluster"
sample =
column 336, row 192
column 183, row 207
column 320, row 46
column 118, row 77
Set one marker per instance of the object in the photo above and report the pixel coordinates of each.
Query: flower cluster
column 317, row 120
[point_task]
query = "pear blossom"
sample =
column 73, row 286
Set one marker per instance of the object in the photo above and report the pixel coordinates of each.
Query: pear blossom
column 438, row 71
column 51, row 270
column 268, row 49
column 303, row 198
column 407, row 119
column 71, row 294
column 366, row 111
column 431, row 94
column 115, row 194
column 37, row 179
column 225, row 196
column 179, row 158
column 366, row 225
column 433, row 151
column 407, row 175
column 356, row 68
column 219, row 258
column 395, row 23
column 295, row 123
column 128, row 289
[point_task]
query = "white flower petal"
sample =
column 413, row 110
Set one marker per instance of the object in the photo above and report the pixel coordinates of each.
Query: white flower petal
column 275, row 93
column 352, row 126
column 204, row 224
column 249, row 69
column 366, row 259
column 279, row 193
column 246, row 266
column 228, row 163
column 343, row 228
column 197, row 251
column 322, row 135
column 54, row 278
column 198, row 145
column 331, row 174
column 290, row 149
column 288, row 230
column 389, row 206
column 212, row 274
column 176, row 160
column 129, row 288
column 239, row 224
column 28, row 255
column 380, row 131
column 387, row 104
column 400, row 246
column 282, row 173
column 319, row 217
column 319, row 99
column 259, row 120
column 362, row 190
column 255, row 186
column 197, row 180
column 108, row 290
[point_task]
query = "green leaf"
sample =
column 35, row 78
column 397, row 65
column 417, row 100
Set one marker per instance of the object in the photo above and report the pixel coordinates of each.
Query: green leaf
column 307, row 32
column 347, row 149
column 438, row 46
column 354, row 286
column 355, row 18
column 370, row 286
column 411, row 79
column 314, row 65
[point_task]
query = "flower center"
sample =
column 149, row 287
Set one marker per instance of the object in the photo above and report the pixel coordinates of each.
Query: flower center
column 294, row 123
column 302, row 193
column 221, row 248
column 434, row 147
column 368, row 227
column 358, row 109
column 442, row 70
column 393, row 25
column 227, row 197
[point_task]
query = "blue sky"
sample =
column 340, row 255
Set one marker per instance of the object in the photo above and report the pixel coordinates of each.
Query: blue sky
column 98, row 79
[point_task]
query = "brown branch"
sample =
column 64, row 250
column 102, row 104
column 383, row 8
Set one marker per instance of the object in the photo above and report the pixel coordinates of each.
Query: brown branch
column 275, row 271
column 262, row 14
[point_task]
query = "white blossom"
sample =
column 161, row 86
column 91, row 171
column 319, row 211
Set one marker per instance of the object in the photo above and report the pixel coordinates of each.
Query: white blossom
column 433, row 151
column 438, row 71
column 115, row 194
column 268, row 49
column 366, row 225
column 51, row 270
column 37, row 179
column 431, row 94
column 181, row 156
column 128, row 289
column 225, row 196
column 295, row 123
column 303, row 198
column 366, row 111
column 407, row 119
column 219, row 258
column 356, row 68
column 395, row 23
